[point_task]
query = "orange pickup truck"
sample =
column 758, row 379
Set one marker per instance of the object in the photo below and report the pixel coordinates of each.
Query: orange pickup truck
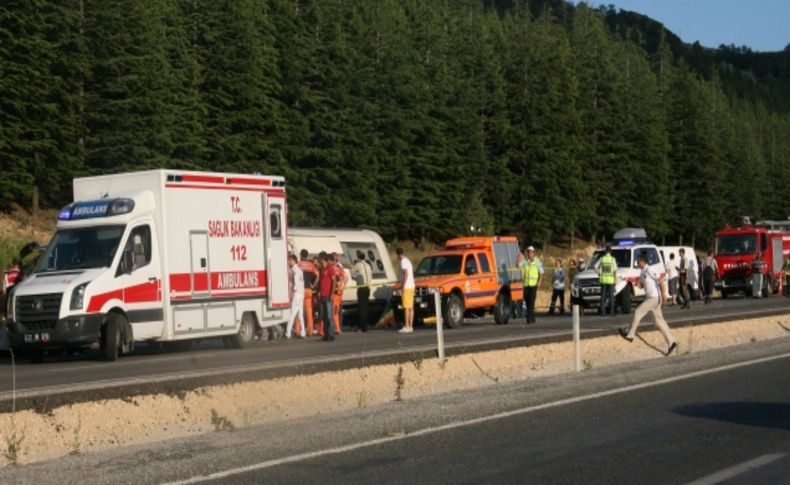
column 473, row 275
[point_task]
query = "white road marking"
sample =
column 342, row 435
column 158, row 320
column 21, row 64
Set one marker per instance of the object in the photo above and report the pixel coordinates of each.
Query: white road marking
column 460, row 424
column 739, row 469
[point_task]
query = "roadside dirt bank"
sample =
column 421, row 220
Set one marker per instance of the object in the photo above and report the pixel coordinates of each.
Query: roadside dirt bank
column 27, row 436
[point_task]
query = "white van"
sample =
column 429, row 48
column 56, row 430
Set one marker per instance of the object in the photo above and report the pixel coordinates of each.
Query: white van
column 347, row 243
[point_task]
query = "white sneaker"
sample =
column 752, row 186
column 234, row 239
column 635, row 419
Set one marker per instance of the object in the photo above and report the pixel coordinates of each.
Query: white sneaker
column 403, row 330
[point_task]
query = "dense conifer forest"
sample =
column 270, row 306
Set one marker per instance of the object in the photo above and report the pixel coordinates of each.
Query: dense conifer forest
column 416, row 118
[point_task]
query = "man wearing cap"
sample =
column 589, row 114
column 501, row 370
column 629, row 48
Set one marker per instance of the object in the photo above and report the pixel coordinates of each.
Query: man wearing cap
column 532, row 271
column 607, row 275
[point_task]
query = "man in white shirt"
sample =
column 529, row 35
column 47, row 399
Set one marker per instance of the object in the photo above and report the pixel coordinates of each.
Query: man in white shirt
column 297, row 296
column 651, row 282
column 407, row 288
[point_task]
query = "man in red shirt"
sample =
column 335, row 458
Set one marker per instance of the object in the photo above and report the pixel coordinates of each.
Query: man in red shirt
column 327, row 281
column 310, row 282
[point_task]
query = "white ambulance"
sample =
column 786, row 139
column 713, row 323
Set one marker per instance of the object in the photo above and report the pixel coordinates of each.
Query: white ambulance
column 160, row 255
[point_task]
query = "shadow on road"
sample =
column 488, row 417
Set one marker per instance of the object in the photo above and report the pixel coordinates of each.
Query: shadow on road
column 763, row 414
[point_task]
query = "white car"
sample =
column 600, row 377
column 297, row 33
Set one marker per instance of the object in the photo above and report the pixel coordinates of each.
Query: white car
column 627, row 246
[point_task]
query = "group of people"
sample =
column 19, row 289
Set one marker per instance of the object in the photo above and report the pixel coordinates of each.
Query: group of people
column 320, row 283
column 316, row 289
column 532, row 272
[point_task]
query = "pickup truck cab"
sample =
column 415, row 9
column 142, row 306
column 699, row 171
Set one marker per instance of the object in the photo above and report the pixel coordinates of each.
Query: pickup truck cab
column 472, row 275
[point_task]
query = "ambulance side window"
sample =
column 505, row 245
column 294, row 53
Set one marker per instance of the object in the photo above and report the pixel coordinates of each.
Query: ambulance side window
column 137, row 252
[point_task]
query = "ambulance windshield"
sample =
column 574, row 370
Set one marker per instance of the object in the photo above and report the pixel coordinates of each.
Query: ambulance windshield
column 83, row 248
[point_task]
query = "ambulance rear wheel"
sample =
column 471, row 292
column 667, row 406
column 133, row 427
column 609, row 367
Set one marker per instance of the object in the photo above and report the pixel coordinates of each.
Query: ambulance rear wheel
column 246, row 334
column 454, row 314
column 502, row 309
column 111, row 338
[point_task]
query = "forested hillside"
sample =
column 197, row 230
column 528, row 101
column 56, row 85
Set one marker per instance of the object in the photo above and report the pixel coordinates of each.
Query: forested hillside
column 415, row 118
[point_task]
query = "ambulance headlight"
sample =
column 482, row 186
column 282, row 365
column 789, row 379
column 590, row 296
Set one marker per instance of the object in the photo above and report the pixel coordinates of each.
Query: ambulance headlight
column 78, row 297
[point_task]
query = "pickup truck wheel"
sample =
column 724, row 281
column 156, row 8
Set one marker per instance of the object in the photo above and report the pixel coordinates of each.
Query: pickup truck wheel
column 246, row 334
column 111, row 339
column 502, row 309
column 454, row 314
column 725, row 294
column 625, row 300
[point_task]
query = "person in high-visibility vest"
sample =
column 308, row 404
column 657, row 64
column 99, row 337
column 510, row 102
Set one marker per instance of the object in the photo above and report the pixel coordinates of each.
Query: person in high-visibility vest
column 607, row 275
column 532, row 271
column 787, row 276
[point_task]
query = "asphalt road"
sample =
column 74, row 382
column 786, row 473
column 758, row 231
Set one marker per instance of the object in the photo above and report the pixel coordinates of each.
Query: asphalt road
column 73, row 372
column 717, row 416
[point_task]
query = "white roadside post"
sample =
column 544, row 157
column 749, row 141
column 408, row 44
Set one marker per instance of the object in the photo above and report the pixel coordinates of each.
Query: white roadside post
column 577, row 352
column 437, row 298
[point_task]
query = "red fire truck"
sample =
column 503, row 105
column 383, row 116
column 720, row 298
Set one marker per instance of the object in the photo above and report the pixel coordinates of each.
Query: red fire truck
column 736, row 248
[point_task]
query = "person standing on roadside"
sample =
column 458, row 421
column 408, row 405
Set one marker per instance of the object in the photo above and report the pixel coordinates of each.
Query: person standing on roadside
column 558, row 287
column 710, row 268
column 683, row 271
column 310, row 277
column 787, row 277
column 297, row 296
column 364, row 277
column 532, row 272
column 519, row 305
column 651, row 282
column 607, row 275
column 337, row 298
column 672, row 277
column 327, row 281
column 757, row 276
column 407, row 291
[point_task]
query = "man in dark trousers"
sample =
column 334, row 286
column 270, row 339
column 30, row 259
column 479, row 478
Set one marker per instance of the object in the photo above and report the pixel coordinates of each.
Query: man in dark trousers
column 683, row 273
column 532, row 272
column 364, row 276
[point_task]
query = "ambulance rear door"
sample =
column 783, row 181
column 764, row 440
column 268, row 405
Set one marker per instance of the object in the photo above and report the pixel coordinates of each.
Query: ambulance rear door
column 276, row 251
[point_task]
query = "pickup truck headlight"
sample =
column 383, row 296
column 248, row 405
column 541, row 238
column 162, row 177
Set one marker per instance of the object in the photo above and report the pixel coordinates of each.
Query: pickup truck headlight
column 78, row 297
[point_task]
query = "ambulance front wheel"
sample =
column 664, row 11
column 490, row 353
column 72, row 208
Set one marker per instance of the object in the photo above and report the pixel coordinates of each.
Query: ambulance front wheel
column 111, row 337
column 246, row 334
